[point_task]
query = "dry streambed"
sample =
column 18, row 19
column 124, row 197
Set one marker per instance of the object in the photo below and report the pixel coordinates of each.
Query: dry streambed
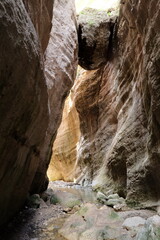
column 68, row 211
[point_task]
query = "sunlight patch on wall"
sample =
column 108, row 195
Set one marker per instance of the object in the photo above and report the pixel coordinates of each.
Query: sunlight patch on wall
column 97, row 4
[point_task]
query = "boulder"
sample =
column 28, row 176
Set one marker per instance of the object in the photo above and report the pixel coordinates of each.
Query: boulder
column 64, row 198
column 133, row 222
column 91, row 223
column 95, row 33
column 34, row 201
column 119, row 105
column 151, row 230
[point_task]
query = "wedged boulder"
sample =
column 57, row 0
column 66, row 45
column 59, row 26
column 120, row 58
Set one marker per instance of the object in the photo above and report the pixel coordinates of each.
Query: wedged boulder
column 119, row 109
column 95, row 32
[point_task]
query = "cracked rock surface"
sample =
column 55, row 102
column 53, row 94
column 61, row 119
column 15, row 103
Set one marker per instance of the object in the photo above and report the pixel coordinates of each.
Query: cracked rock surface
column 95, row 35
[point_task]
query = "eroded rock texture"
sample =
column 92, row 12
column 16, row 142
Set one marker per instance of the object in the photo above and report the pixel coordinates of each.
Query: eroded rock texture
column 41, row 16
column 23, row 106
column 95, row 31
column 119, row 108
column 30, row 101
column 63, row 161
column 60, row 70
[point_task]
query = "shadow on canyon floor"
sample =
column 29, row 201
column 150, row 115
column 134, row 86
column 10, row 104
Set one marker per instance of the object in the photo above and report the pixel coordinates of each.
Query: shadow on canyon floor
column 69, row 211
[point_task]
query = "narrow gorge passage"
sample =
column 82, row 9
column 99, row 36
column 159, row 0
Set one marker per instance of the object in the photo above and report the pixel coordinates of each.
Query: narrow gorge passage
column 79, row 149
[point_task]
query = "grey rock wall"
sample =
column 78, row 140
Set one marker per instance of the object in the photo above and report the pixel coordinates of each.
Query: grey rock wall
column 119, row 108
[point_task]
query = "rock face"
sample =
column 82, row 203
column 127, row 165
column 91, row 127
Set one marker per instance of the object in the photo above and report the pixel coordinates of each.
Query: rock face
column 22, row 125
column 119, row 108
column 92, row 223
column 94, row 34
column 41, row 15
column 151, row 229
column 64, row 155
column 60, row 71
column 31, row 101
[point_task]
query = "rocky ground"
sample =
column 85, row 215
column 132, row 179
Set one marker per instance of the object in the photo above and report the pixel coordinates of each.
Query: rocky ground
column 31, row 223
column 68, row 211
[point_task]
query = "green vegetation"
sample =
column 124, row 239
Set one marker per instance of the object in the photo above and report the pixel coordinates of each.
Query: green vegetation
column 92, row 17
column 97, row 4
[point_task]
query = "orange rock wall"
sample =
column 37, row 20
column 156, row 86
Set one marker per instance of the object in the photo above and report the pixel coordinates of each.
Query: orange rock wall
column 62, row 165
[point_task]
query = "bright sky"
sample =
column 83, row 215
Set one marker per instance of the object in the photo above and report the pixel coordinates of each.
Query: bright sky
column 98, row 4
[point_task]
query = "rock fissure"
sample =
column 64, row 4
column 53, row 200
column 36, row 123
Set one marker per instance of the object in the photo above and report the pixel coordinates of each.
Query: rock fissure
column 109, row 137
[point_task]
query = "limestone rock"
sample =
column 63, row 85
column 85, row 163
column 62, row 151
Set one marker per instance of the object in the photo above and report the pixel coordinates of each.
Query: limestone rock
column 113, row 202
column 34, row 201
column 91, row 223
column 119, row 109
column 143, row 213
column 23, row 106
column 41, row 13
column 66, row 199
column 151, row 229
column 113, row 196
column 101, row 197
column 95, row 32
column 60, row 70
column 46, row 195
column 30, row 111
column 64, row 155
column 133, row 222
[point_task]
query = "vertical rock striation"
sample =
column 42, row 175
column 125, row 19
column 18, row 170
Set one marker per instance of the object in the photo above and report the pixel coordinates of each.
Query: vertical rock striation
column 119, row 108
column 41, row 13
column 31, row 99
column 63, row 161
column 23, row 106
column 60, row 71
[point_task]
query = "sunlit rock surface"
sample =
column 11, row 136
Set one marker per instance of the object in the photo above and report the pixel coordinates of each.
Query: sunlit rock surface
column 63, row 161
column 119, row 108
column 60, row 71
column 23, row 106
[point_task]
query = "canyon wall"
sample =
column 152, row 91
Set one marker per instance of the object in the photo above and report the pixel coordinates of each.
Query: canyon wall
column 23, row 125
column 41, row 13
column 60, row 72
column 63, row 161
column 31, row 98
column 119, row 106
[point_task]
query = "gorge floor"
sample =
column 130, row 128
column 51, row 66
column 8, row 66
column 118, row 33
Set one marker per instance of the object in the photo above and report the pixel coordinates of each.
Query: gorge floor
column 44, row 222
column 75, row 215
